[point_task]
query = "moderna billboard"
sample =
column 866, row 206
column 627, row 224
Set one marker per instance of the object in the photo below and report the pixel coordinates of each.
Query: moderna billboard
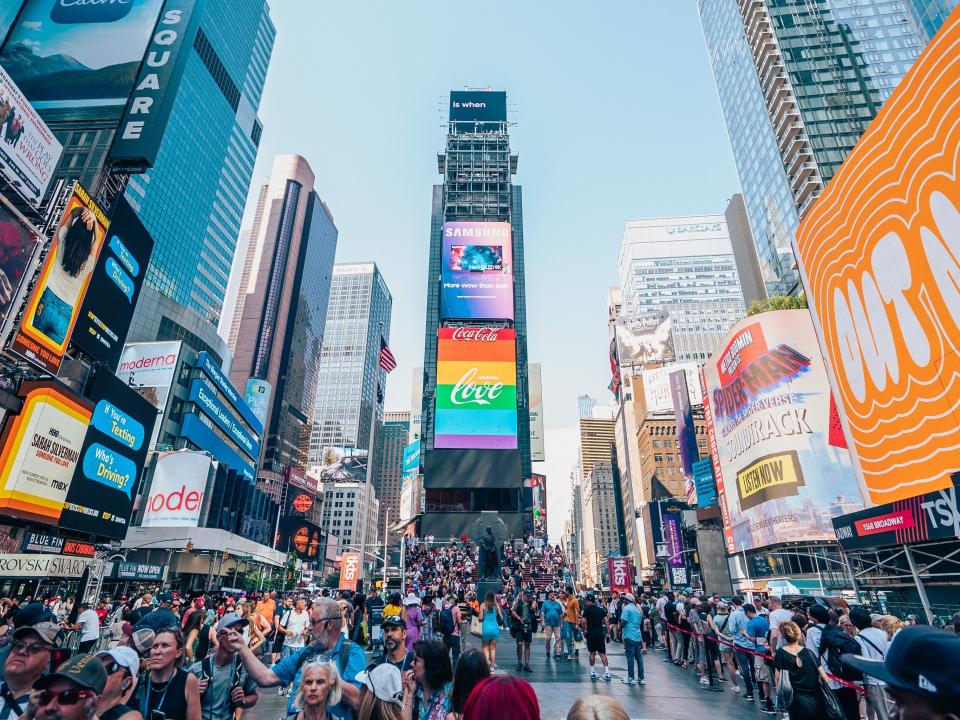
column 476, row 404
column 476, row 279
column 880, row 256
column 767, row 412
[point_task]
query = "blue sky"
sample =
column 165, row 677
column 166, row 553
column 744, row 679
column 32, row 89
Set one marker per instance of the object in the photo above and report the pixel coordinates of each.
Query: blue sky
column 616, row 117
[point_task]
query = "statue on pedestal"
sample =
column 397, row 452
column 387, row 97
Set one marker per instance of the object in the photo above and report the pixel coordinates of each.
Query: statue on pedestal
column 488, row 562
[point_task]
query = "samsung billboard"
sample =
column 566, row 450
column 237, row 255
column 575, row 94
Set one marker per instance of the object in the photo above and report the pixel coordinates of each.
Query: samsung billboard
column 477, row 271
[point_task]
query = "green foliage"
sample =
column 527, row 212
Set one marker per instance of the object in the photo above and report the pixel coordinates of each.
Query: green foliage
column 331, row 581
column 778, row 302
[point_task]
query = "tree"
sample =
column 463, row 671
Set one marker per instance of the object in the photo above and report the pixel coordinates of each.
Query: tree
column 778, row 302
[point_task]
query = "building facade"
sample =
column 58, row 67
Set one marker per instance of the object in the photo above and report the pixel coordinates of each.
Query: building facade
column 681, row 271
column 350, row 381
column 744, row 251
column 799, row 81
column 931, row 14
column 585, row 405
column 277, row 330
column 600, row 535
column 350, row 512
column 387, row 473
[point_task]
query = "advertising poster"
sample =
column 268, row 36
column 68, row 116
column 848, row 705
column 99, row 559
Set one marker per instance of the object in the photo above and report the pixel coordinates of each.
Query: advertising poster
column 645, row 340
column 19, row 243
column 538, row 492
column 210, row 405
column 476, row 404
column 683, row 414
column 149, row 368
column 257, row 397
column 39, row 451
column 675, row 549
column 176, row 492
column 349, row 570
column 535, row 385
column 416, row 404
column 478, row 106
column 54, row 305
column 107, row 476
column 29, row 152
column 79, row 55
column 477, row 271
column 703, row 481
column 768, row 418
column 300, row 536
column 411, row 460
column 621, row 578
column 300, row 480
column 342, row 464
column 115, row 284
column 879, row 256
column 657, row 393
column 8, row 13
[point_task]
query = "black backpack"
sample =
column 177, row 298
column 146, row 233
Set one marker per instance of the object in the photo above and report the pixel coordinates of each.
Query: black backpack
column 835, row 643
column 446, row 623
column 203, row 641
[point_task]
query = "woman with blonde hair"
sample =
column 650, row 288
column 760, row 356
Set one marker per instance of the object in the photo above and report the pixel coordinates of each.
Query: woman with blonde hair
column 891, row 625
column 490, row 621
column 319, row 690
column 805, row 674
column 597, row 707
column 252, row 633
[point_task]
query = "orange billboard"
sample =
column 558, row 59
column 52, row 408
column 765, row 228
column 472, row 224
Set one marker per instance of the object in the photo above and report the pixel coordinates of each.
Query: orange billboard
column 880, row 257
column 349, row 570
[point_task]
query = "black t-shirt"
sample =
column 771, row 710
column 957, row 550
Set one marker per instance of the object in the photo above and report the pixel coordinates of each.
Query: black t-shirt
column 594, row 615
column 403, row 665
column 670, row 610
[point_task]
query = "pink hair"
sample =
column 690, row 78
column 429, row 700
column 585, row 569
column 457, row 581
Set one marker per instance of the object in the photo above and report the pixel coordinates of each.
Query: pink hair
column 492, row 695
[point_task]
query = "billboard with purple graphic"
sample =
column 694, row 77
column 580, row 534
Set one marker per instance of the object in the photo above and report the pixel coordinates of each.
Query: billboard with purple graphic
column 477, row 271
column 686, row 433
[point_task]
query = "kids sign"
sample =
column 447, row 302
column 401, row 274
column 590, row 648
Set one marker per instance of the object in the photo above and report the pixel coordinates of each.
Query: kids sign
column 880, row 257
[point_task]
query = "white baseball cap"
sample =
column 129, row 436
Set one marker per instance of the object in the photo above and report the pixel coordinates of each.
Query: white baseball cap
column 125, row 657
column 384, row 682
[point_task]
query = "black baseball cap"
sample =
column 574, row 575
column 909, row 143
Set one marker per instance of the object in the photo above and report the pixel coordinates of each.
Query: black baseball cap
column 85, row 670
column 923, row 660
column 392, row 621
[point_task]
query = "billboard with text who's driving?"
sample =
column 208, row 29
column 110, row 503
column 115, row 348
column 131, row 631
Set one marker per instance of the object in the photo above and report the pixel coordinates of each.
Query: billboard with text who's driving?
column 476, row 405
column 767, row 411
column 879, row 255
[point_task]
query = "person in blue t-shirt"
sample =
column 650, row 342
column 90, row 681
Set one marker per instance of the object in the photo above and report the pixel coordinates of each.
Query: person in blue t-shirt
column 737, row 627
column 757, row 628
column 551, row 616
column 326, row 622
column 631, row 625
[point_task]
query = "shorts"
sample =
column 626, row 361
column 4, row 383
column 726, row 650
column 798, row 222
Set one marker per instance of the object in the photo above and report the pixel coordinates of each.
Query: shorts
column 761, row 672
column 551, row 631
column 523, row 636
column 596, row 642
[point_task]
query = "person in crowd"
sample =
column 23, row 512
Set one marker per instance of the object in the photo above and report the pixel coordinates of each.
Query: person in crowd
column 873, row 646
column 281, row 617
column 490, row 623
column 631, row 624
column 805, row 674
column 30, row 655
column 551, row 614
column 293, row 626
column 721, row 628
column 88, row 625
column 328, row 643
column 491, row 696
column 471, row 670
column 671, row 610
column 449, row 620
column 122, row 665
column 428, row 686
column 395, row 643
column 595, row 624
column 70, row 693
column 698, row 643
column 381, row 694
column 756, row 631
column 921, row 673
column 891, row 626
column 394, row 606
column 778, row 615
column 252, row 633
column 168, row 691
column 374, row 606
column 319, row 691
column 571, row 620
column 193, row 630
column 414, row 619
column 523, row 614
column 359, row 628
column 823, row 624
column 597, row 707
column 224, row 685
column 742, row 644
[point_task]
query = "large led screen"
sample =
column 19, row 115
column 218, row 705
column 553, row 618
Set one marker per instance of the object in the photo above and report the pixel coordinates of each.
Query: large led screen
column 477, row 271
column 476, row 389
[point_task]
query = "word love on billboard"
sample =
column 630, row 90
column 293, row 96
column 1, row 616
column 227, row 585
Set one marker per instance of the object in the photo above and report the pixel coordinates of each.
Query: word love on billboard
column 767, row 412
column 477, row 271
column 476, row 404
column 880, row 257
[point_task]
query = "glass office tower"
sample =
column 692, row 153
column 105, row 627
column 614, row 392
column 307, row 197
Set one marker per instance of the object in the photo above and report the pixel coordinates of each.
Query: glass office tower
column 931, row 14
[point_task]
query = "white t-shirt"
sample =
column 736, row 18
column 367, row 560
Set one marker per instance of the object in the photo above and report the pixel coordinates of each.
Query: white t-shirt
column 91, row 625
column 780, row 615
column 873, row 646
column 296, row 624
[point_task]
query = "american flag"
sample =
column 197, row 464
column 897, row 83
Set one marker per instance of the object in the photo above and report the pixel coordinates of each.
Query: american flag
column 387, row 361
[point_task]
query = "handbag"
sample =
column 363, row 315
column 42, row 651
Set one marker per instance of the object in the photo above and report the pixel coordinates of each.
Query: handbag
column 831, row 706
column 475, row 627
column 784, row 690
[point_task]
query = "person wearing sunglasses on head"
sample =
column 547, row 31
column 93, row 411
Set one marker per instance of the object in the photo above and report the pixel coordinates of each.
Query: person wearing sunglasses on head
column 327, row 642
column 70, row 693
column 122, row 665
column 224, row 685
column 30, row 654
column 381, row 697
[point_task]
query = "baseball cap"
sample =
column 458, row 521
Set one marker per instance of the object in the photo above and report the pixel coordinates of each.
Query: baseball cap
column 48, row 632
column 32, row 614
column 921, row 659
column 84, row 670
column 230, row 620
column 125, row 657
column 384, row 682
column 591, row 597
column 165, row 597
column 142, row 639
column 392, row 621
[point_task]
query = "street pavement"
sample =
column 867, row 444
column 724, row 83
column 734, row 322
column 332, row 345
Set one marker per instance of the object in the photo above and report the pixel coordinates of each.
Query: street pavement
column 671, row 693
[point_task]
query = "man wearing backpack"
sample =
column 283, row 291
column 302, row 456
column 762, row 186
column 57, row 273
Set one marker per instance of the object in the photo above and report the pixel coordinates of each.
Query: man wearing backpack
column 828, row 642
column 523, row 616
column 448, row 622
column 224, row 684
column 873, row 646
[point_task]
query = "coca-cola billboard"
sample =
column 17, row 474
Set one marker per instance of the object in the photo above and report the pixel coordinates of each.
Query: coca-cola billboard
column 476, row 404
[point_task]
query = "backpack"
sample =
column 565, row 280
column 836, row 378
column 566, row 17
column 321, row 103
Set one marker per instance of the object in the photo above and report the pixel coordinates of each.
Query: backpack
column 835, row 643
column 343, row 657
column 445, row 622
column 203, row 641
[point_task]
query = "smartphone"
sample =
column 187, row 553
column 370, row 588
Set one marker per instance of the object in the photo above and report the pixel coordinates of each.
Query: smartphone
column 158, row 715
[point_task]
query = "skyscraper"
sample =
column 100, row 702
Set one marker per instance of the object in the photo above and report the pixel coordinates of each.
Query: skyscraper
column 744, row 251
column 799, row 81
column 350, row 381
column 476, row 425
column 930, row 14
column 387, row 474
column 586, row 404
column 278, row 326
column 678, row 278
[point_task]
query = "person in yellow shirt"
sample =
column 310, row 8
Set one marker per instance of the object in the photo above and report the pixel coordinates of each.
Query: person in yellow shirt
column 571, row 616
column 394, row 607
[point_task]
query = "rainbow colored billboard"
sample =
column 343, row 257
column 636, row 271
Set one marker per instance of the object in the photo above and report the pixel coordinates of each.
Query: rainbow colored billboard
column 477, row 271
column 476, row 389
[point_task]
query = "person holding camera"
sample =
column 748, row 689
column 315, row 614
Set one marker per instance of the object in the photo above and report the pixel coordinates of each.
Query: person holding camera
column 524, row 614
column 224, row 684
column 31, row 653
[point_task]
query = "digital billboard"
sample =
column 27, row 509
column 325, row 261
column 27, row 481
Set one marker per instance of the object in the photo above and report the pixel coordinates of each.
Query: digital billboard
column 149, row 368
column 301, row 536
column 476, row 278
column 341, row 464
column 657, row 393
column 19, row 243
column 54, row 305
column 66, row 54
column 879, row 257
column 538, row 495
column 535, row 386
column 39, row 451
column 411, row 460
column 767, row 414
column 176, row 491
column 29, row 152
column 115, row 284
column 107, row 475
column 257, row 397
column 478, row 106
column 476, row 405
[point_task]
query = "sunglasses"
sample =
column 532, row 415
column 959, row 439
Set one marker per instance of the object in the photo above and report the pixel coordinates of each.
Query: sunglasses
column 30, row 648
column 113, row 666
column 321, row 621
column 64, row 697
